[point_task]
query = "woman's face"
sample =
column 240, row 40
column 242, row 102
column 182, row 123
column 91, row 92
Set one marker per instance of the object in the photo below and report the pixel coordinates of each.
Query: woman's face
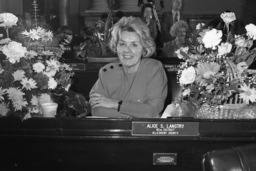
column 147, row 12
column 181, row 32
column 129, row 50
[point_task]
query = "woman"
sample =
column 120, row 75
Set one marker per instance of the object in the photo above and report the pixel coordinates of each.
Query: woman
column 136, row 86
column 147, row 17
column 179, row 31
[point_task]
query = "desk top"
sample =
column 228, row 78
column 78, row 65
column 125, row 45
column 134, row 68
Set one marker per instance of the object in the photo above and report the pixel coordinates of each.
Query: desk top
column 105, row 128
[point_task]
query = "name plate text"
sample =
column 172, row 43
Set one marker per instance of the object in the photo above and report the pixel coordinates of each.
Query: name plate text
column 165, row 128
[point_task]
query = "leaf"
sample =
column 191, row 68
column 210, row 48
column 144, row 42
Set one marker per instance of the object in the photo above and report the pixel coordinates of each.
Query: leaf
column 251, row 59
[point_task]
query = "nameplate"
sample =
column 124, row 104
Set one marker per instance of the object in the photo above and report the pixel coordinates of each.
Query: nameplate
column 165, row 128
column 171, row 68
column 77, row 66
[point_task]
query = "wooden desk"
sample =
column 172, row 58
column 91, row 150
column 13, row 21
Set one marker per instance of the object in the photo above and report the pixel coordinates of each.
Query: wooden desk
column 109, row 144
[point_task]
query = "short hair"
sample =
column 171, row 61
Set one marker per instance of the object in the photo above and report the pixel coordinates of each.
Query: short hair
column 176, row 26
column 144, row 6
column 133, row 24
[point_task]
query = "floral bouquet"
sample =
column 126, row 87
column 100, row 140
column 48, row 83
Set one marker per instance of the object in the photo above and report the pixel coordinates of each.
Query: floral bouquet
column 27, row 73
column 215, row 76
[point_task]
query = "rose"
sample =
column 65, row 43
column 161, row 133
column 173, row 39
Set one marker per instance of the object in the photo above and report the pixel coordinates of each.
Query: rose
column 240, row 41
column 212, row 38
column 188, row 76
column 224, row 48
column 228, row 17
column 251, row 31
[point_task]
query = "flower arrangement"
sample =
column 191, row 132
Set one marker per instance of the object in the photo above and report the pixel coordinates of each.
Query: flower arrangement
column 26, row 72
column 215, row 68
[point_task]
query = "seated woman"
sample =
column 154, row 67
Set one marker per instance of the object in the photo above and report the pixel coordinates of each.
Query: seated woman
column 136, row 86
column 179, row 31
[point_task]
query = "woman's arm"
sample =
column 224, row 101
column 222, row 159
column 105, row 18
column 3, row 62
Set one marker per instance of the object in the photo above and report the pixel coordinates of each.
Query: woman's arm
column 156, row 92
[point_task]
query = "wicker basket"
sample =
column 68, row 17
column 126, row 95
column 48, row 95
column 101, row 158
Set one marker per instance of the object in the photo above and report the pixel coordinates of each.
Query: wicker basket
column 233, row 108
column 227, row 111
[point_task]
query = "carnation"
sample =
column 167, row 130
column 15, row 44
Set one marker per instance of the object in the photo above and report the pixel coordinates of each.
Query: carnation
column 8, row 20
column 14, row 51
column 224, row 48
column 251, row 31
column 212, row 38
column 188, row 76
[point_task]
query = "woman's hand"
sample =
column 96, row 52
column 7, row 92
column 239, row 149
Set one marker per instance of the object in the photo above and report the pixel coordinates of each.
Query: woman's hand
column 98, row 100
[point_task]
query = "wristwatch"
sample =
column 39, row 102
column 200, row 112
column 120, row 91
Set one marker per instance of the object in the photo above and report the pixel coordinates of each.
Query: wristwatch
column 119, row 105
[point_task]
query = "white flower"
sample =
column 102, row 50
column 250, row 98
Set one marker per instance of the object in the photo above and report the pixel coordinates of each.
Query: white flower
column 240, row 41
column 19, row 104
column 200, row 26
column 224, row 48
column 52, row 68
column 248, row 94
column 186, row 92
column 18, row 75
column 183, row 49
column 34, row 100
column 228, row 17
column 251, row 31
column 5, row 41
column 30, row 54
column 52, row 84
column 16, row 95
column 3, row 109
column 32, row 34
column 28, row 84
column 14, row 51
column 47, row 36
column 188, row 76
column 212, row 38
column 8, row 20
column 53, row 64
column 38, row 67
column 2, row 92
column 50, row 73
